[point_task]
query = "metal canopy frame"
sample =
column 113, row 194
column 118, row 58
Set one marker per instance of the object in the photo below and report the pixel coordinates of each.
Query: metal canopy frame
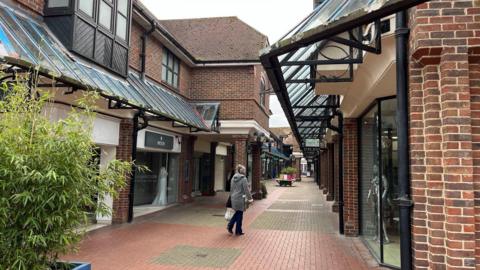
column 292, row 65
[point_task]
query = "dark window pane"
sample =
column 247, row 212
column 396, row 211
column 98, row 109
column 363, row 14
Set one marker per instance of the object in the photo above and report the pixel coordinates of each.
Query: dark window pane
column 58, row 3
column 86, row 6
column 105, row 15
column 122, row 27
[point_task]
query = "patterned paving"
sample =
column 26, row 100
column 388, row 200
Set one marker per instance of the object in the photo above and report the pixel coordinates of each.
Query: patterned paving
column 198, row 256
column 293, row 229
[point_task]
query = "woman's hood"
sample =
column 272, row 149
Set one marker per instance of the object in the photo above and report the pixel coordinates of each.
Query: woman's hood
column 237, row 177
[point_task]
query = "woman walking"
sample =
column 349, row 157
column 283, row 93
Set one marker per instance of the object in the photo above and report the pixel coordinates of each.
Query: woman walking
column 238, row 192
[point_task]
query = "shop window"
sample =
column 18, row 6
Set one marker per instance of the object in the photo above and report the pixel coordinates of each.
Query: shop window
column 170, row 68
column 379, row 182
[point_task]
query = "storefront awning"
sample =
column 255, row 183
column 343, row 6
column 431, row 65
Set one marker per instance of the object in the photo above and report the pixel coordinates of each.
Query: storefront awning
column 28, row 45
column 324, row 49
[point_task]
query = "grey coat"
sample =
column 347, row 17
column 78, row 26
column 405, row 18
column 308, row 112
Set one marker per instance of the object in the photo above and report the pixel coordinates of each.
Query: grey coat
column 239, row 191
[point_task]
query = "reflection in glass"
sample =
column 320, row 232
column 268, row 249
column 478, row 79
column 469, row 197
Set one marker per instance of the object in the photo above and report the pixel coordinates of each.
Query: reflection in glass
column 86, row 6
column 105, row 15
column 122, row 27
column 389, row 162
column 58, row 3
column 369, row 184
column 379, row 182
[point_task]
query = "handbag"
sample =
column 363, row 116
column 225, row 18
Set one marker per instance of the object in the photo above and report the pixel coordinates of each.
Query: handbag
column 229, row 214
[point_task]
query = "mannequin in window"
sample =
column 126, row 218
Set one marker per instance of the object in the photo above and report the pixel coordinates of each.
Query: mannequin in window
column 161, row 198
column 373, row 196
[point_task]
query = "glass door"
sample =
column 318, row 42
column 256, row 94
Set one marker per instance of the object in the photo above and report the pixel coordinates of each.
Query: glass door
column 379, row 182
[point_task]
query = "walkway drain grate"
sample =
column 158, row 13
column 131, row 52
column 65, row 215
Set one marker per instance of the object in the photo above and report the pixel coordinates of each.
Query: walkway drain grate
column 198, row 257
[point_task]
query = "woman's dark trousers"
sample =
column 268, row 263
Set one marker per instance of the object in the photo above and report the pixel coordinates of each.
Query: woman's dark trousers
column 238, row 219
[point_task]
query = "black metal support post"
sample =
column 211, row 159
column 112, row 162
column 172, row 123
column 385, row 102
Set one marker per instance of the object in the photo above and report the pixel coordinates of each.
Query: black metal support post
column 341, row 221
column 404, row 201
column 136, row 128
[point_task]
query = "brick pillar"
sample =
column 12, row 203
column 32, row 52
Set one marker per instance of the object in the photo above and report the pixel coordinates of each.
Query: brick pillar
column 330, row 179
column 240, row 150
column 336, row 169
column 350, row 174
column 445, row 134
column 186, row 173
column 256, row 171
column 124, row 152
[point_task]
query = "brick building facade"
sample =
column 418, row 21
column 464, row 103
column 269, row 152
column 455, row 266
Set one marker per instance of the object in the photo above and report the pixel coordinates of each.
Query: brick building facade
column 221, row 86
column 443, row 70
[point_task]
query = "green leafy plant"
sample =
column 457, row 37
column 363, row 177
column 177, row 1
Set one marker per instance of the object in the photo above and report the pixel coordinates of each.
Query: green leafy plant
column 289, row 170
column 47, row 178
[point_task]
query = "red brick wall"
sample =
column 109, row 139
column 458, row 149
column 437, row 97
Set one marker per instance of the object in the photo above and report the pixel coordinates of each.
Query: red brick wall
column 185, row 185
column 154, row 55
column 240, row 150
column 124, row 152
column 237, row 88
column 350, row 177
column 444, row 134
column 33, row 5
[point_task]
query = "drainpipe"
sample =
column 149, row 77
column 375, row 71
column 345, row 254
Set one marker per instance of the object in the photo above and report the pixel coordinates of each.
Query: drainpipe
column 339, row 130
column 143, row 54
column 136, row 128
column 405, row 203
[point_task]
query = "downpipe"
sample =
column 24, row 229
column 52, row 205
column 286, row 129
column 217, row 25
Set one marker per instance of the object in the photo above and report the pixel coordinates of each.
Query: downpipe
column 405, row 203
column 137, row 126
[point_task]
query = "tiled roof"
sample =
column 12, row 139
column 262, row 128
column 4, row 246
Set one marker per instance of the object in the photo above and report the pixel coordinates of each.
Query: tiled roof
column 218, row 39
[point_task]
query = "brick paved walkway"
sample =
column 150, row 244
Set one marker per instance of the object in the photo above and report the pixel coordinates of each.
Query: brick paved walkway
column 292, row 229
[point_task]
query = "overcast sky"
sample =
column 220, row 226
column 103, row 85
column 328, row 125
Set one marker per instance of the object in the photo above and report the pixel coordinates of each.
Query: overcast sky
column 274, row 18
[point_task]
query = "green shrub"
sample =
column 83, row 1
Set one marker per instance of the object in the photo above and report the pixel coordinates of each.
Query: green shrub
column 47, row 178
column 289, row 170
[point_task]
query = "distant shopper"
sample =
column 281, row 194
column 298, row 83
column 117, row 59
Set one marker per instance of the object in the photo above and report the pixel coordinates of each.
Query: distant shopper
column 239, row 192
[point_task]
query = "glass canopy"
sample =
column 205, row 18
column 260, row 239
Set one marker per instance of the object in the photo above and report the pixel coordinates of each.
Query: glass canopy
column 26, row 44
column 324, row 49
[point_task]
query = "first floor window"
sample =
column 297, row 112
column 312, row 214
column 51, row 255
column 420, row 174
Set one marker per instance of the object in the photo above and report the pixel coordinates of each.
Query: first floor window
column 86, row 6
column 170, row 68
column 105, row 15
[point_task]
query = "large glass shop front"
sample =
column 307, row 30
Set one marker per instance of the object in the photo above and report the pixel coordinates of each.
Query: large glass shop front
column 379, row 223
column 157, row 186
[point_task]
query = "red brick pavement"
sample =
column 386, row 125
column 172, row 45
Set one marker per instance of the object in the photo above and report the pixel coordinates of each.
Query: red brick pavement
column 134, row 246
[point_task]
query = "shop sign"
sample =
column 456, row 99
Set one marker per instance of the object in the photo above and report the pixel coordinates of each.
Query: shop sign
column 160, row 141
column 312, row 143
